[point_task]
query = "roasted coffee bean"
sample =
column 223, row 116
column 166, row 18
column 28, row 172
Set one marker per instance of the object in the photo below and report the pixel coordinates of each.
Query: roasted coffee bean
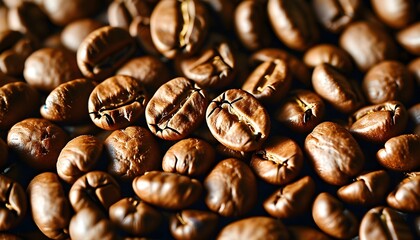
column 304, row 233
column 117, row 102
column 79, row 156
column 279, row 161
column 4, row 18
column 62, row 12
column 179, row 27
column 238, row 120
column 50, row 206
column 8, row 236
column 88, row 224
column 74, row 33
column 8, row 39
column 301, row 111
column 292, row 199
column 293, row 23
column 368, row 44
column 176, row 109
column 408, row 38
column 103, row 51
column 11, row 63
column 18, row 101
column 121, row 13
column 335, row 154
column 231, row 188
column 405, row 196
column 414, row 116
column 414, row 69
column 132, row 152
column 380, row 122
column 95, row 190
column 68, row 102
column 384, row 223
column 193, row 224
column 37, row 142
column 342, row 93
column 140, row 30
column 331, row 216
column 222, row 12
column 47, row 68
column 192, row 157
column 335, row 15
column 226, row 152
column 366, row 189
column 401, row 153
column 134, row 216
column 387, row 81
column 330, row 54
column 269, row 82
column 395, row 13
column 167, row 190
column 13, row 203
column 254, row 228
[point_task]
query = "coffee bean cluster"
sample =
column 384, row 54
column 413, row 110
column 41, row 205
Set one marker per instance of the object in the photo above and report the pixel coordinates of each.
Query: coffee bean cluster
column 210, row 119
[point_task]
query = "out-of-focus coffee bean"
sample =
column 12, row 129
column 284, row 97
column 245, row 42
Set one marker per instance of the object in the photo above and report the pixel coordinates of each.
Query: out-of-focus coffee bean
column 414, row 69
column 140, row 30
column 193, row 224
column 88, row 224
column 335, row 15
column 75, row 32
column 13, row 203
column 304, row 233
column 395, row 13
column 405, row 195
column 121, row 13
column 62, row 12
column 330, row 54
column 409, row 37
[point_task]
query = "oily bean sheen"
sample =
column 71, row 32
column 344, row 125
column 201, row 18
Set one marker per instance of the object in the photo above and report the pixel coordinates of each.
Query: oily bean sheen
column 330, row 54
column 305, row 233
column 74, row 33
column 384, row 223
column 13, row 203
column 335, row 154
column 409, row 37
column 117, row 102
column 167, row 190
column 103, row 51
column 121, row 13
column 366, row 189
column 132, row 152
column 380, row 122
column 193, row 224
column 331, row 216
column 176, row 109
column 405, row 196
column 79, row 156
column 50, row 206
column 88, row 224
column 62, row 12
column 254, row 228
column 238, row 120
column 231, row 188
column 395, row 13
column 279, row 161
column 335, row 15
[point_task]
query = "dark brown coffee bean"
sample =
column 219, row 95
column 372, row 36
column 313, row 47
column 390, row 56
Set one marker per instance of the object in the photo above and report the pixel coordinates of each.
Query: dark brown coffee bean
column 121, row 13
column 414, row 69
column 380, row 122
column 176, row 109
column 238, row 120
column 408, row 38
column 8, row 39
column 167, row 190
column 79, row 156
column 132, row 152
column 293, row 23
column 11, row 63
column 193, row 224
column 366, row 189
column 414, row 116
column 335, row 154
column 368, row 44
column 13, row 203
column 192, row 157
column 222, row 12
column 401, row 153
column 8, row 236
column 4, row 153
column 50, row 206
column 342, row 93
column 335, row 15
column 68, row 102
column 74, row 33
column 62, row 12
column 140, row 30
column 254, row 228
column 117, row 102
column 231, row 188
column 95, row 190
column 37, row 142
column 331, row 216
column 405, row 196
column 384, row 223
column 88, row 224
column 178, row 27
column 395, row 13
column 279, row 161
column 103, row 51
column 387, row 81
column 134, row 216
column 292, row 199
column 304, row 233
column 330, row 54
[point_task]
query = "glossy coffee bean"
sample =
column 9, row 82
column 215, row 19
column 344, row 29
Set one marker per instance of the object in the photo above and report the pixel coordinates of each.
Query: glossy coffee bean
column 62, row 12
column 37, row 142
column 193, row 224
column 11, row 63
column 231, row 188
column 366, row 189
column 396, row 14
column 380, row 122
column 122, row 13
column 335, row 154
column 384, row 223
column 335, row 15
column 103, row 51
column 13, row 203
column 331, row 216
column 405, row 195
column 88, row 224
column 304, row 233
column 278, row 162
column 408, row 38
column 78, row 157
column 330, row 54
column 132, row 152
column 176, row 109
column 50, row 206
column 75, row 32
column 117, row 102
column 254, row 228
column 140, row 30
column 401, row 153
column 292, row 199
column 167, row 190
column 238, row 120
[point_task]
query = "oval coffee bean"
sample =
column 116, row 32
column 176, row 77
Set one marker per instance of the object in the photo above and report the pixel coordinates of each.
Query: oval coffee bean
column 405, row 196
column 13, row 203
column 62, row 12
column 408, row 38
column 88, row 224
column 75, row 32
column 122, row 13
column 330, row 54
column 193, row 224
column 335, row 15
column 395, row 13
